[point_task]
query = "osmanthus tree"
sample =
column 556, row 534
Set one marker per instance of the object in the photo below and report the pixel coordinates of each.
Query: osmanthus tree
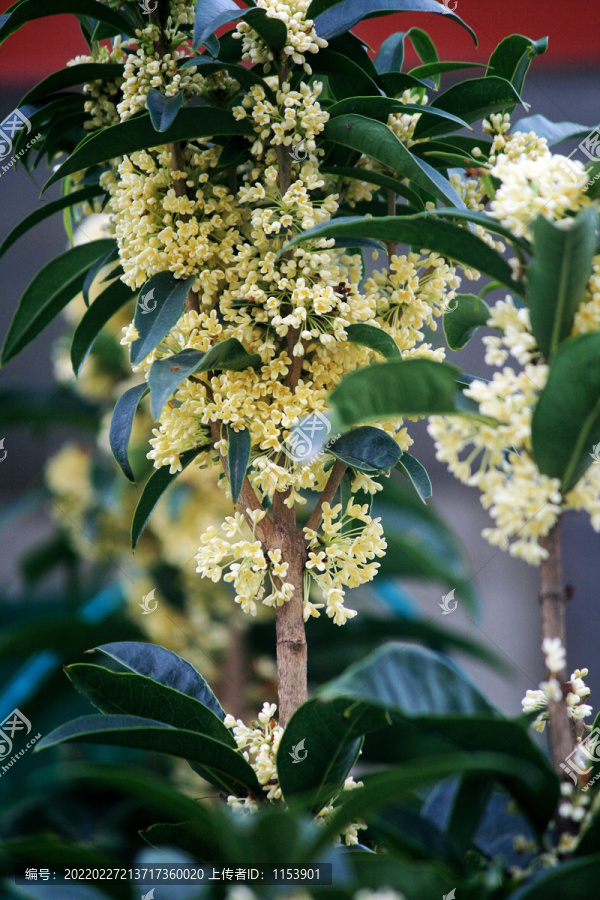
column 237, row 172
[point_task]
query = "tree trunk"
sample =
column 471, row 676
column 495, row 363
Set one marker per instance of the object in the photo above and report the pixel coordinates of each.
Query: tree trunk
column 291, row 635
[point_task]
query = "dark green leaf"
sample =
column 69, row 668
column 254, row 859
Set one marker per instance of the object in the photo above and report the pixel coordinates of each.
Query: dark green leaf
column 227, row 767
column 377, row 141
column 104, row 307
column 438, row 68
column 471, row 100
column 374, row 338
column 558, row 275
column 160, row 305
column 165, row 667
column 565, row 430
column 167, row 374
column 210, row 17
column 238, row 457
column 154, row 488
column 367, row 449
column 421, row 231
column 512, row 57
column 376, row 178
column 343, row 16
column 465, row 314
column 129, row 693
column 49, row 292
column 571, row 879
column 72, row 75
column 122, row 423
column 39, row 9
column 95, row 270
column 138, row 134
column 246, row 77
column 46, row 210
column 416, row 473
column 554, row 132
column 380, row 107
column 163, row 110
column 347, row 77
column 45, row 407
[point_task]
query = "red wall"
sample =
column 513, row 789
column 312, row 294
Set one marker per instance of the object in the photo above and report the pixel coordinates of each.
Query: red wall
column 573, row 29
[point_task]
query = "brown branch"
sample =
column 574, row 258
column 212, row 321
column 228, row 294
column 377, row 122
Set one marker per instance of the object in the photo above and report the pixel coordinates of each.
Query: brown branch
column 335, row 478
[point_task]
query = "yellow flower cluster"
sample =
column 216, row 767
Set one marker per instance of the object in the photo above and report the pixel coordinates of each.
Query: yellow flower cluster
column 301, row 36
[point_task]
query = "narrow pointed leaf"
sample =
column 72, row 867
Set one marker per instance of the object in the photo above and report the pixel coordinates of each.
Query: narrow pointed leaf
column 165, row 667
column 238, row 457
column 471, row 100
column 380, row 108
column 163, row 110
column 374, row 338
column 69, row 77
column 512, row 57
column 161, row 303
column 121, row 425
column 367, row 449
column 272, row 30
column 104, row 307
column 95, row 270
column 343, row 16
column 39, row 9
column 49, row 292
column 416, row 473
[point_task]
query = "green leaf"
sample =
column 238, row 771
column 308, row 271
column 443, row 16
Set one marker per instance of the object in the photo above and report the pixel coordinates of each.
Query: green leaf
column 122, row 423
column 346, row 77
column 167, row 374
column 160, row 305
column 420, row 231
column 163, row 110
column 238, row 457
column 554, row 132
column 102, row 263
column 104, row 307
column 46, row 407
column 227, row 768
column 571, row 879
column 246, row 77
column 46, row 210
column 375, row 338
column 39, row 9
column 165, row 667
column 377, row 141
column 129, row 693
column 367, row 449
column 512, row 57
column 211, row 16
column 154, row 488
column 49, row 292
column 565, row 430
column 438, row 68
column 380, row 107
column 376, row 178
column 480, row 218
column 139, row 134
column 471, row 100
column 468, row 313
column 413, row 387
column 343, row 16
column 558, row 275
column 72, row 75
column 318, row 748
column 416, row 473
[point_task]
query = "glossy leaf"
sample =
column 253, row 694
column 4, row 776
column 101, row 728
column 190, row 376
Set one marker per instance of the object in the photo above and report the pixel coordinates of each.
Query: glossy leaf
column 164, row 666
column 227, row 767
column 129, row 693
column 161, row 303
column 380, row 108
column 45, row 211
column 93, row 272
column 122, row 423
column 46, row 296
column 471, row 100
column 343, row 16
column 167, row 374
column 163, row 110
column 416, row 473
column 465, row 314
column 565, row 429
column 104, row 307
column 347, row 78
column 377, row 141
column 421, row 231
column 512, row 57
column 246, row 77
column 69, row 77
column 139, row 134
column 29, row 10
column 558, row 275
column 154, row 488
column 554, row 132
column 211, row 16
column 366, row 449
column 238, row 457
column 376, row 178
column 374, row 338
